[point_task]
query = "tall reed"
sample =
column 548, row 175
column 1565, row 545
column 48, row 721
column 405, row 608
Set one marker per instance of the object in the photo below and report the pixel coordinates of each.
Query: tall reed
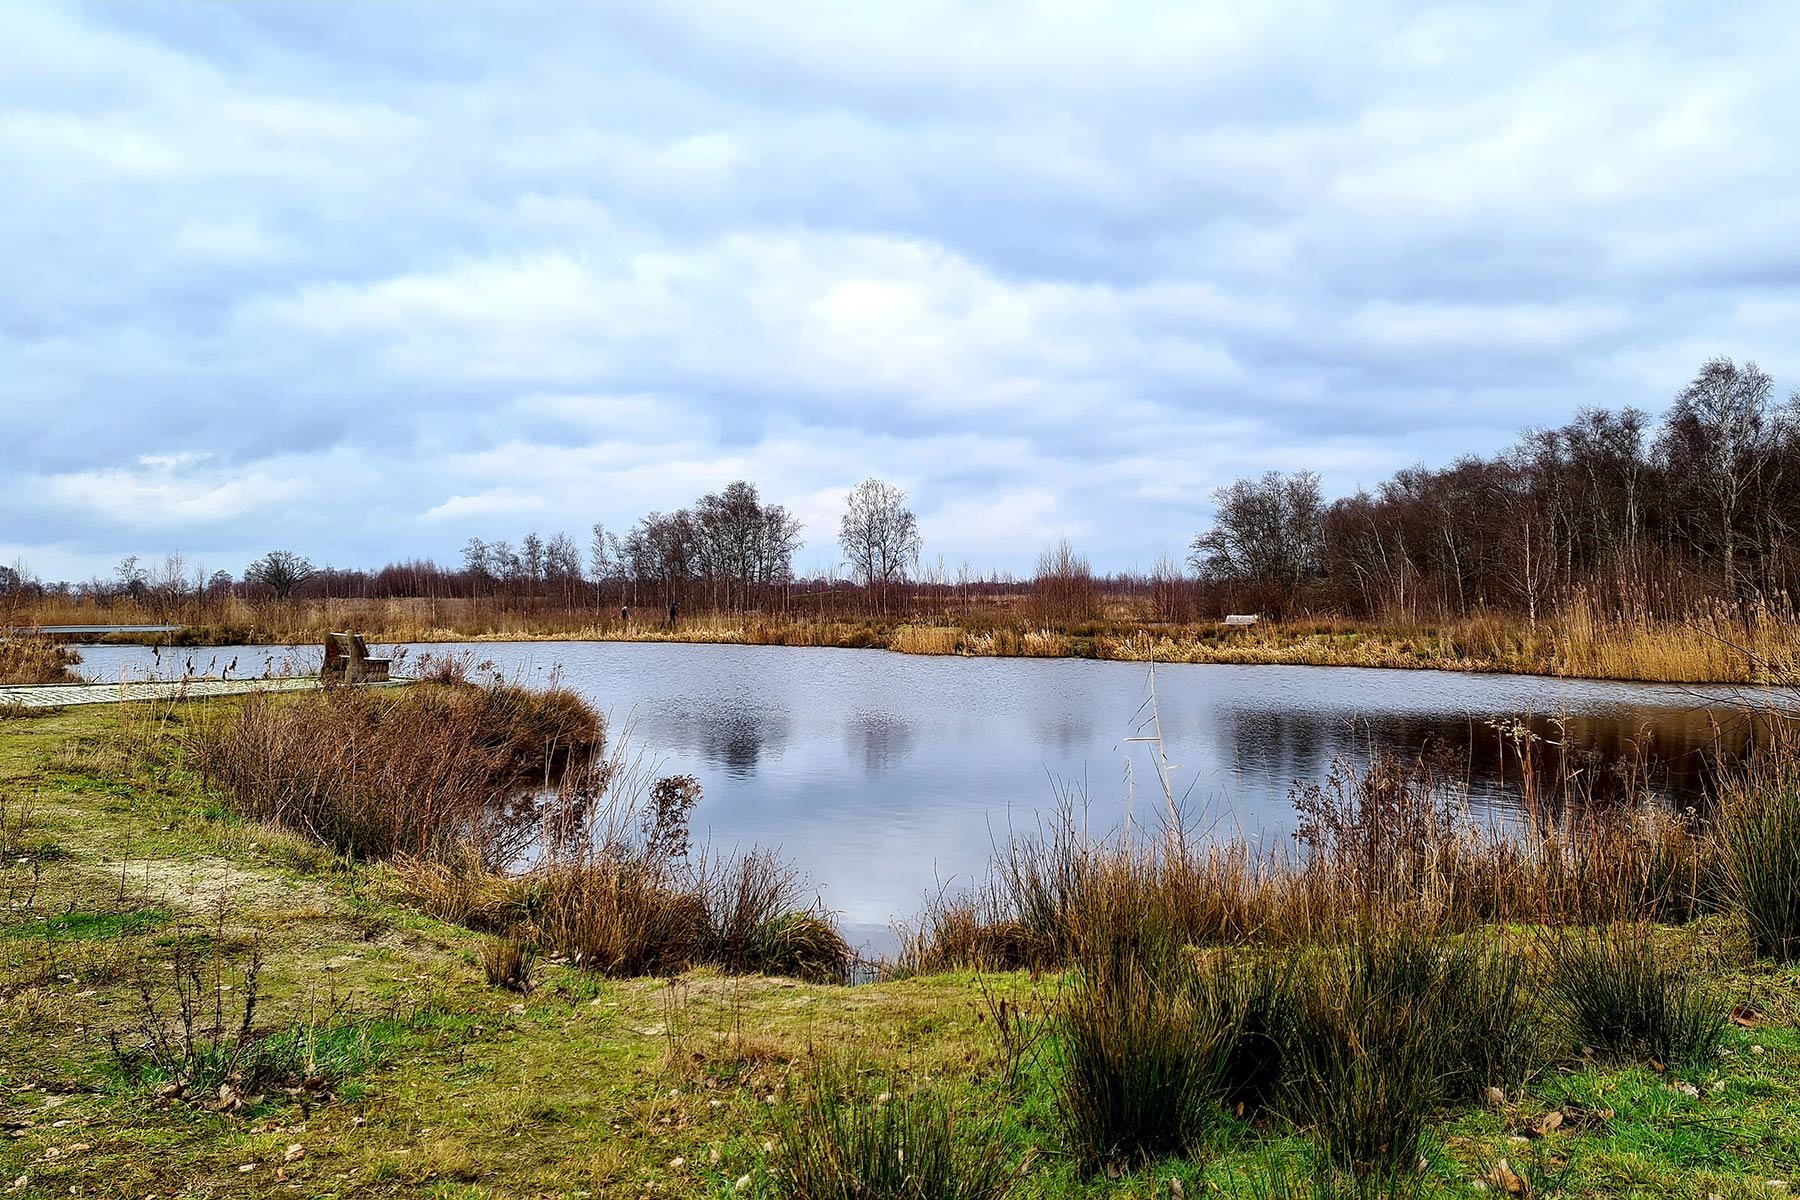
column 36, row 660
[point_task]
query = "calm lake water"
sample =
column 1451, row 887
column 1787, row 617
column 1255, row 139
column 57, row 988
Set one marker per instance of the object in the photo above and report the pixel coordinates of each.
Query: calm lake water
column 884, row 776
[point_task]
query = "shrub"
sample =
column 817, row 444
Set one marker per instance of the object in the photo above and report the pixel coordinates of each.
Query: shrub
column 839, row 1142
column 427, row 770
column 1624, row 999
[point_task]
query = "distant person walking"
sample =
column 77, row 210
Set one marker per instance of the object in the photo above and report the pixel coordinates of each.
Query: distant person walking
column 671, row 614
column 624, row 614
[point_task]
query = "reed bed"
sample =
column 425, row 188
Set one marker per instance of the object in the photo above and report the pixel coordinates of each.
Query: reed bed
column 35, row 660
column 1757, row 643
column 1385, row 841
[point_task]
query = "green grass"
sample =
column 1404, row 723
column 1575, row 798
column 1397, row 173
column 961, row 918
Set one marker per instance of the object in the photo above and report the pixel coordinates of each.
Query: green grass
column 76, row 925
column 443, row 1086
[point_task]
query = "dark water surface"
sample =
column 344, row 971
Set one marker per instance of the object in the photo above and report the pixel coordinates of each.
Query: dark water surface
column 885, row 775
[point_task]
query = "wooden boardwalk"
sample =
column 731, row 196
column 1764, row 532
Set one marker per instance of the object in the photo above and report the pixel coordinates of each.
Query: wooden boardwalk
column 58, row 695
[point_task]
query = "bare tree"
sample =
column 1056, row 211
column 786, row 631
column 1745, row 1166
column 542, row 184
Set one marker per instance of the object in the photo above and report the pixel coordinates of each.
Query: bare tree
column 281, row 571
column 879, row 536
column 1717, row 440
column 1063, row 589
column 562, row 565
column 1266, row 531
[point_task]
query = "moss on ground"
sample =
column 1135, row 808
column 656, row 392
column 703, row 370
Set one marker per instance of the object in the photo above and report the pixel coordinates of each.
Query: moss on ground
column 429, row 1082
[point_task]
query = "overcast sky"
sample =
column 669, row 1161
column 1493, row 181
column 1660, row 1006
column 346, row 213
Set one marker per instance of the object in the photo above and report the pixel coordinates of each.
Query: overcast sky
column 364, row 280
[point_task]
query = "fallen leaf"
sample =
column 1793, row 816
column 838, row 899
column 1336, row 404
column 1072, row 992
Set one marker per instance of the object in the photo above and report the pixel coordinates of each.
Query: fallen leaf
column 1507, row 1179
column 1552, row 1120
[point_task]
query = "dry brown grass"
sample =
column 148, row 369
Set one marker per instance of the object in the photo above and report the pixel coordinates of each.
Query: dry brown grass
column 1628, row 638
column 1375, row 847
column 1720, row 643
column 34, row 660
column 427, row 770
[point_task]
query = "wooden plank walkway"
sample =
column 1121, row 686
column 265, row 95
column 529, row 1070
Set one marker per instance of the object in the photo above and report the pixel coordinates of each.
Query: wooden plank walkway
column 57, row 695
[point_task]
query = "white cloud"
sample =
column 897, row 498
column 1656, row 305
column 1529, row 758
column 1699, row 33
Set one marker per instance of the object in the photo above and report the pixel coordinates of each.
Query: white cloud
column 1052, row 267
column 485, row 504
column 159, row 498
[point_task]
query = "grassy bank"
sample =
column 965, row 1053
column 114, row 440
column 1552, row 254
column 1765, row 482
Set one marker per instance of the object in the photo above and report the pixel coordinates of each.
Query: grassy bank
column 390, row 1053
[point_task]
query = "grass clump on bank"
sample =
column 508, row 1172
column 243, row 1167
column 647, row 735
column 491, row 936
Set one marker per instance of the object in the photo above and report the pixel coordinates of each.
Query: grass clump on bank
column 1759, row 833
column 1627, row 998
column 844, row 1138
column 1141, row 1049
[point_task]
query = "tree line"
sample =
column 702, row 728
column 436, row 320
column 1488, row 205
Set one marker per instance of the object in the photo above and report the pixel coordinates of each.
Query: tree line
column 729, row 552
column 1652, row 513
column 1638, row 513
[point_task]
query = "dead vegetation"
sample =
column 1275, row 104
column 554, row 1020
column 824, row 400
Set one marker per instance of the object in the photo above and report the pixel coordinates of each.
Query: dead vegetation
column 37, row 660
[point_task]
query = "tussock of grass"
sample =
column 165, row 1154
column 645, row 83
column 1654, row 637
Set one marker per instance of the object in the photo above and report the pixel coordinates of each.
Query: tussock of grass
column 1140, row 1055
column 508, row 964
column 1394, row 1025
column 1627, row 998
column 1759, row 833
column 841, row 1139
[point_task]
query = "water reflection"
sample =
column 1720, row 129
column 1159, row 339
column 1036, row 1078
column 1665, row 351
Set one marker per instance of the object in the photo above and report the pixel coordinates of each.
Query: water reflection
column 734, row 739
column 878, row 740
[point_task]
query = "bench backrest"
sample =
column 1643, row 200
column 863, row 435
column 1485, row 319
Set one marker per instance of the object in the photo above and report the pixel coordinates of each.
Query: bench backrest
column 345, row 654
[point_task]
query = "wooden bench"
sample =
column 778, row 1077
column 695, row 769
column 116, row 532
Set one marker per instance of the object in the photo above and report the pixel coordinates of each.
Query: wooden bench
column 347, row 661
column 1240, row 620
